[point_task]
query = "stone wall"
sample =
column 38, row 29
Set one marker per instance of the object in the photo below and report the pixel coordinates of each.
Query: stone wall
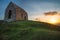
column 17, row 13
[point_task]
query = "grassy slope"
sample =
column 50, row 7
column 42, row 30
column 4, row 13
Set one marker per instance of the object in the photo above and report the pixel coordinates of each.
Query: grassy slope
column 28, row 30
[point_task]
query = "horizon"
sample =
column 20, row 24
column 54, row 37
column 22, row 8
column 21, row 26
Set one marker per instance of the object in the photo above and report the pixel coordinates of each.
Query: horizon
column 34, row 8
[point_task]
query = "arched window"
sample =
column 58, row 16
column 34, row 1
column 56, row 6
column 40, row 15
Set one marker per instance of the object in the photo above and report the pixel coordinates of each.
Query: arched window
column 9, row 14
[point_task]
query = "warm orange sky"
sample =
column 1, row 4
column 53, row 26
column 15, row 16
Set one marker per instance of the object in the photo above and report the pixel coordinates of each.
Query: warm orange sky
column 50, row 19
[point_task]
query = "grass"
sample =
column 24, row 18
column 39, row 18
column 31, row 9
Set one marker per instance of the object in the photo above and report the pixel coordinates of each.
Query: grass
column 28, row 30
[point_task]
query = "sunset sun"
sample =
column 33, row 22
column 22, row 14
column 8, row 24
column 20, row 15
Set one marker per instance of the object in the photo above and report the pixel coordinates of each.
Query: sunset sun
column 53, row 21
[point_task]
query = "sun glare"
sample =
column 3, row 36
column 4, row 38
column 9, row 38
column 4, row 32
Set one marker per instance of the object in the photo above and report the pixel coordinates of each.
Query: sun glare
column 53, row 21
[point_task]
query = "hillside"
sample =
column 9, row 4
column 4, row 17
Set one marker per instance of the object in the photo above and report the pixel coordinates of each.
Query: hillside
column 28, row 30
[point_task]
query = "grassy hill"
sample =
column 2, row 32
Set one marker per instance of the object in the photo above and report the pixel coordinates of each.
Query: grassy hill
column 28, row 30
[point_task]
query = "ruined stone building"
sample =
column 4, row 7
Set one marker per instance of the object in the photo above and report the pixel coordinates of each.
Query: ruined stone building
column 14, row 12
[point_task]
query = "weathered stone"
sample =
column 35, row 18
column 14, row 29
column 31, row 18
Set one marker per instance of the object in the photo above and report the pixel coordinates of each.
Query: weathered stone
column 14, row 13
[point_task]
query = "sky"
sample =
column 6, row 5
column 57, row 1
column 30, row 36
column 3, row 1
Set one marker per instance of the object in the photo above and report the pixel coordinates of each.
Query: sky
column 34, row 8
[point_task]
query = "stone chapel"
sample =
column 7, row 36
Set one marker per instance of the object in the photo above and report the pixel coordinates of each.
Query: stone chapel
column 15, row 13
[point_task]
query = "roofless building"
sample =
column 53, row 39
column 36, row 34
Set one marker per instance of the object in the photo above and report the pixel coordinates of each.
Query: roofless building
column 15, row 13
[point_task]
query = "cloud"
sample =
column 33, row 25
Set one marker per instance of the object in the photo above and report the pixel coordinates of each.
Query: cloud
column 38, row 9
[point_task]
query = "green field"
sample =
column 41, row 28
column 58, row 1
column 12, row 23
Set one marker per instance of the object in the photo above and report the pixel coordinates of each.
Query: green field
column 28, row 30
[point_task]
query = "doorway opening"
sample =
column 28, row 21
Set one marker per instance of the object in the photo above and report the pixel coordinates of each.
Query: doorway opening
column 9, row 14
